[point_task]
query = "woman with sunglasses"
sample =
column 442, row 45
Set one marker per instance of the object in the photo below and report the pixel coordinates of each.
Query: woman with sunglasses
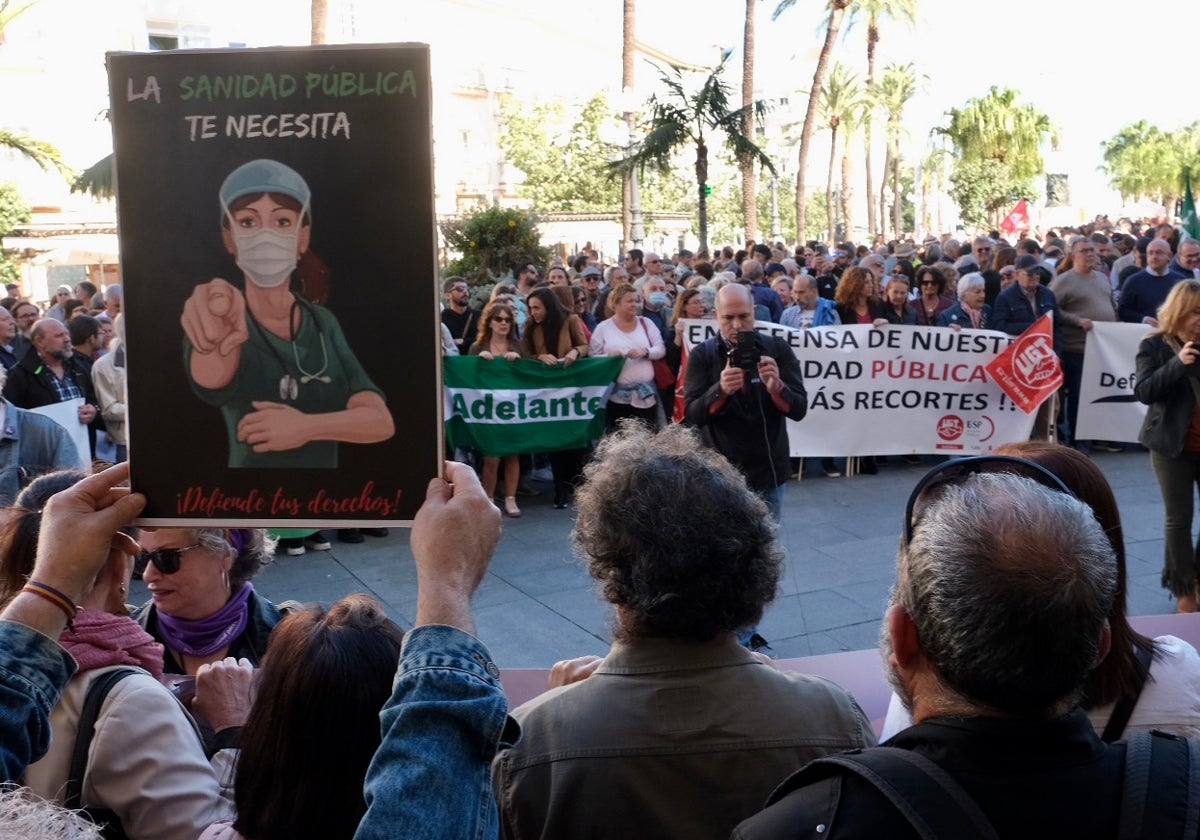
column 202, row 606
column 497, row 340
column 1143, row 683
column 931, row 302
column 1168, row 380
column 146, row 763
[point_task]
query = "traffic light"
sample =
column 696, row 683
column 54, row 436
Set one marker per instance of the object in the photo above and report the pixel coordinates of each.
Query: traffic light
column 708, row 189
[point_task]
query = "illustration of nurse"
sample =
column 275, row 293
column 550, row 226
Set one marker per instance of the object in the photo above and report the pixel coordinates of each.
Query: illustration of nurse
column 276, row 365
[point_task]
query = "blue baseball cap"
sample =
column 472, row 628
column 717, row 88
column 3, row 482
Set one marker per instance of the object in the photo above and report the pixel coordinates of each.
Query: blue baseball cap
column 264, row 176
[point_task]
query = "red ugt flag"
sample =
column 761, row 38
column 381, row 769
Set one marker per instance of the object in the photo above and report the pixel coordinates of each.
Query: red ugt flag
column 1018, row 219
column 1028, row 371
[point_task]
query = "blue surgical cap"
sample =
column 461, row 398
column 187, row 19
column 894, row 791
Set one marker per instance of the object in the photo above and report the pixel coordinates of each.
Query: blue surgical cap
column 264, row 176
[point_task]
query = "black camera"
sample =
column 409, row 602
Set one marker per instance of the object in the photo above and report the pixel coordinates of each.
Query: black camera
column 747, row 352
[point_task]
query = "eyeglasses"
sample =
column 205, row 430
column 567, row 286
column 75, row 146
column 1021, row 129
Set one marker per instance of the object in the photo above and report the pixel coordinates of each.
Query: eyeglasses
column 958, row 470
column 460, row 289
column 166, row 560
column 929, row 283
column 502, row 320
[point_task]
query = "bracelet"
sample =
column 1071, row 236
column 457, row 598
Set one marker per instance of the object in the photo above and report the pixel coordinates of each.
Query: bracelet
column 55, row 597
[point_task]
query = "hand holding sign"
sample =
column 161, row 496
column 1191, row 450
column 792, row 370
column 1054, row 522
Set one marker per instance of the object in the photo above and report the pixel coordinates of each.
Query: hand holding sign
column 214, row 318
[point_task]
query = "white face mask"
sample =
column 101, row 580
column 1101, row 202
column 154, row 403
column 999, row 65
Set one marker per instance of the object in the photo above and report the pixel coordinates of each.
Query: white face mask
column 267, row 256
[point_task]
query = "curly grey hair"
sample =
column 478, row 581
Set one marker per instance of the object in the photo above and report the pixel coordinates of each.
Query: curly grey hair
column 671, row 532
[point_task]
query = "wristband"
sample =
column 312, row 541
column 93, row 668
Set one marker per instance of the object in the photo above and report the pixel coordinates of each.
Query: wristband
column 55, row 597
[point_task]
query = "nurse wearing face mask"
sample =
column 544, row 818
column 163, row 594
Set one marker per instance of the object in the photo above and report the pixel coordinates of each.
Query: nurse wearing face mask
column 277, row 366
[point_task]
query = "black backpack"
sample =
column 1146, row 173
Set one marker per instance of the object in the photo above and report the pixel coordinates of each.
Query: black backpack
column 110, row 824
column 936, row 806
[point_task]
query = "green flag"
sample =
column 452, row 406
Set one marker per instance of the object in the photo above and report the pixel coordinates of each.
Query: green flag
column 1191, row 223
column 507, row 408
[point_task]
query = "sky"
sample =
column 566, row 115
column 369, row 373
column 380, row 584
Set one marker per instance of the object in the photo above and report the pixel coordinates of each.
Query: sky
column 1091, row 69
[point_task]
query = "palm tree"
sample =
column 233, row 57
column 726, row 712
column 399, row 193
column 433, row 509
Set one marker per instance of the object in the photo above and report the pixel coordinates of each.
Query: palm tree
column 1140, row 162
column 749, row 175
column 897, row 86
column 1006, row 134
column 45, row 155
column 683, row 117
column 319, row 12
column 904, row 11
column 841, row 102
column 833, row 23
column 998, row 127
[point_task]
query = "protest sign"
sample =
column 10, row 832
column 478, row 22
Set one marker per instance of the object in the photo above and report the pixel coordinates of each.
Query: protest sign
column 277, row 250
column 1028, row 370
column 894, row 390
column 1108, row 410
column 508, row 408
column 66, row 414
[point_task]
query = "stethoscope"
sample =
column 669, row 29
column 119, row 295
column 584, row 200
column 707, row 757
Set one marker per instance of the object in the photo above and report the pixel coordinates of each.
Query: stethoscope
column 289, row 386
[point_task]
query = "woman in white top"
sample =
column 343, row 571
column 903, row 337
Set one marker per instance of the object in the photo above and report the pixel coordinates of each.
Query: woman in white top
column 1159, row 677
column 627, row 334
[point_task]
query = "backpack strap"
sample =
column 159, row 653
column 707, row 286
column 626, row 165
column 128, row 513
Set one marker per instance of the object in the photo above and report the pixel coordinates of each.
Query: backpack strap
column 96, row 694
column 1123, row 709
column 933, row 803
column 1161, row 796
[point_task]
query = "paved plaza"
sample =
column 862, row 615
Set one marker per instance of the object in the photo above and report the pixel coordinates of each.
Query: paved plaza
column 537, row 604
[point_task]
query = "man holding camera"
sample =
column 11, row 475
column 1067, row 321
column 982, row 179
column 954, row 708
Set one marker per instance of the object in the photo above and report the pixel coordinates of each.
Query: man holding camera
column 741, row 388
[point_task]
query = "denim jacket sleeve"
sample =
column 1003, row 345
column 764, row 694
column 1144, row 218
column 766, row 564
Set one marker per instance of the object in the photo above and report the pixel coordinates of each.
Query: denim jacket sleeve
column 33, row 671
column 445, row 721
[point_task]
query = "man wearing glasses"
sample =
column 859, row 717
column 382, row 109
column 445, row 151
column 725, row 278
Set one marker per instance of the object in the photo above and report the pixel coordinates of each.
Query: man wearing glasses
column 1004, row 584
column 458, row 316
column 983, row 252
column 634, row 266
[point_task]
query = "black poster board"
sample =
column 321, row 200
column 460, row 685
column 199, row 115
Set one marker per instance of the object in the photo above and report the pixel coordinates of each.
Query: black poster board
column 278, row 256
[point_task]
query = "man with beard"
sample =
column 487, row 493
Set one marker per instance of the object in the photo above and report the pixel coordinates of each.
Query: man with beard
column 1004, row 585
column 48, row 374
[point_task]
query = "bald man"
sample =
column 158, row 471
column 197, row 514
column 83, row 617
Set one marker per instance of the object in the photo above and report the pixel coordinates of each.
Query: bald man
column 741, row 410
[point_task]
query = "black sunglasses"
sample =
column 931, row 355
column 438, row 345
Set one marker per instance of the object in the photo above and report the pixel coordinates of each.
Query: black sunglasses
column 166, row 560
column 951, row 472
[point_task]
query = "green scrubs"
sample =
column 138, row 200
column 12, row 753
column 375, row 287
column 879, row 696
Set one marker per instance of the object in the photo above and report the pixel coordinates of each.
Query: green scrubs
column 258, row 379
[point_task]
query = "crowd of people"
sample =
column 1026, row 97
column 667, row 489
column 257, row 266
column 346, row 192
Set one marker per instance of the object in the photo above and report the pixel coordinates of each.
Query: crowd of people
column 1006, row 641
column 210, row 711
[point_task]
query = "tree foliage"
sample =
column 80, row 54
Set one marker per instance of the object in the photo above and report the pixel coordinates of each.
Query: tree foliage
column 1005, row 134
column 492, row 241
column 688, row 116
column 875, row 11
column 1143, row 161
column 45, row 155
column 982, row 188
column 843, row 104
column 560, row 150
column 14, row 210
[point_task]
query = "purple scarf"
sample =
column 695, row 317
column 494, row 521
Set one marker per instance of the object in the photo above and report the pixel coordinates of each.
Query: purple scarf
column 206, row 635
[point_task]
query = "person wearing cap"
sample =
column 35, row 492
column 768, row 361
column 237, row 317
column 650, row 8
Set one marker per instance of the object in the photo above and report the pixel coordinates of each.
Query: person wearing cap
column 61, row 295
column 1022, row 303
column 277, row 365
column 591, row 280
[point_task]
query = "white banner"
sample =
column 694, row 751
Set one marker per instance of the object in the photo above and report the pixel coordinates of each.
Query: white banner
column 1108, row 409
column 895, row 390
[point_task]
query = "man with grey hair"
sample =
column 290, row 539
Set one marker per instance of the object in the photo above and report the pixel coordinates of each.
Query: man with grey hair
column 678, row 731
column 1004, row 586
